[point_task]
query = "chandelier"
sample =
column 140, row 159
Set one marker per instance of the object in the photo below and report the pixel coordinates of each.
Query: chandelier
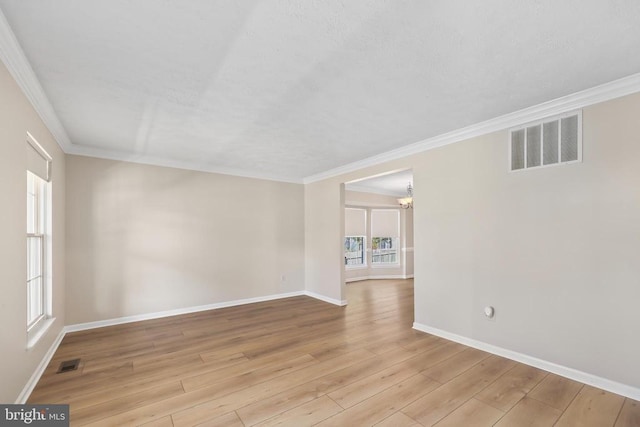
column 407, row 202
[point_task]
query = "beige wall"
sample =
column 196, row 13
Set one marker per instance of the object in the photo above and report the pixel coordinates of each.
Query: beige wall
column 404, row 269
column 555, row 250
column 144, row 239
column 408, row 253
column 17, row 117
column 323, row 238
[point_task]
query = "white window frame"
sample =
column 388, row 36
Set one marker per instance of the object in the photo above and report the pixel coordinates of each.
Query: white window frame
column 558, row 118
column 364, row 254
column 37, row 234
column 380, row 264
column 38, row 326
column 395, row 239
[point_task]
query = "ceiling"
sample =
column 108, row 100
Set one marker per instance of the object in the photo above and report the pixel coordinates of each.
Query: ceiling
column 288, row 89
column 392, row 184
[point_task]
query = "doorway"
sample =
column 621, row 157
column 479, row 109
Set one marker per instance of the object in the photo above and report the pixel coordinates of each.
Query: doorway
column 378, row 229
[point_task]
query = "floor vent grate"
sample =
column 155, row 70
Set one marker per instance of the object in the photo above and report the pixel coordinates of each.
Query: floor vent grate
column 68, row 365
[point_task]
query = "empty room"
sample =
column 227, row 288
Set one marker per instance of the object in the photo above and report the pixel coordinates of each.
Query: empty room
column 335, row 213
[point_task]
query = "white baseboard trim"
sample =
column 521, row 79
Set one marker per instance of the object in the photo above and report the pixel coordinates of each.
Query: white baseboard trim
column 356, row 279
column 157, row 315
column 35, row 377
column 379, row 277
column 333, row 301
column 564, row 371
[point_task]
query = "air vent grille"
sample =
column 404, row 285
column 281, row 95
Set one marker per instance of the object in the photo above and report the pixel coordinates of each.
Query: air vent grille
column 552, row 141
column 68, row 365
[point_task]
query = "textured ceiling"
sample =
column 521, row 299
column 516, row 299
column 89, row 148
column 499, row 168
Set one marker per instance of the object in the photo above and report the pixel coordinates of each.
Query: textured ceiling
column 288, row 89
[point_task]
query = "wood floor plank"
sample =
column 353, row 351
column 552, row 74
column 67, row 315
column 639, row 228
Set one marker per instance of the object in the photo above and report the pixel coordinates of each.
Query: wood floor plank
column 53, row 380
column 445, row 399
column 363, row 389
column 454, row 366
column 279, row 403
column 118, row 405
column 592, row 407
column 511, row 387
column 307, row 414
column 473, row 413
column 384, row 404
column 530, row 412
column 338, row 379
column 160, row 422
column 430, row 358
column 207, row 403
column 247, row 371
column 229, row 419
column 422, row 344
column 329, row 349
column 281, row 362
column 398, row 419
column 264, row 390
column 269, row 407
column 150, row 376
column 629, row 415
column 556, row 391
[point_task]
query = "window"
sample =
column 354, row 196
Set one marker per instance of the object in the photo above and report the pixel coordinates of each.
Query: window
column 384, row 250
column 355, row 241
column 354, row 253
column 385, row 232
column 38, row 240
column 552, row 141
column 35, row 250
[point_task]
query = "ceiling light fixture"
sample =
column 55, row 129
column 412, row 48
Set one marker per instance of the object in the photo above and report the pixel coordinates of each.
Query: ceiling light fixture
column 407, row 202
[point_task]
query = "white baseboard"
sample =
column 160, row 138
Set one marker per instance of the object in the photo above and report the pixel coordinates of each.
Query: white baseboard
column 186, row 310
column 333, row 301
column 379, row 277
column 564, row 371
column 35, row 377
column 356, row 279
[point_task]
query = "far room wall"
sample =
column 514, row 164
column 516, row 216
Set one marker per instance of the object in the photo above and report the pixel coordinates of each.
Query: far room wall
column 143, row 239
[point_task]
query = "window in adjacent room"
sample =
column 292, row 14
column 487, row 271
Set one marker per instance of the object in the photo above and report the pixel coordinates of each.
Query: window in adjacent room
column 385, row 232
column 355, row 254
column 38, row 240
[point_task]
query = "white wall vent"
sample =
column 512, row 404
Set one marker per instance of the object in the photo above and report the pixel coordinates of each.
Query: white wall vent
column 552, row 141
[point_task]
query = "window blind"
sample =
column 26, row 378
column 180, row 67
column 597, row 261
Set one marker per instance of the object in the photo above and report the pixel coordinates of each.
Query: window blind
column 385, row 223
column 355, row 222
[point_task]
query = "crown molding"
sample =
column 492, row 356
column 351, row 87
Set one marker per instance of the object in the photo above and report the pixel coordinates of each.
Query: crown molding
column 16, row 62
column 145, row 159
column 372, row 190
column 605, row 92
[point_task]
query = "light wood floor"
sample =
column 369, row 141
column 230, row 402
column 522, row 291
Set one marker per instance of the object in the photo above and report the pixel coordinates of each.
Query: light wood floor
column 300, row 361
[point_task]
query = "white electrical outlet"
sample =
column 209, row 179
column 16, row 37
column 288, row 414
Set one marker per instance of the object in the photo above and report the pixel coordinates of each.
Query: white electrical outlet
column 489, row 312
